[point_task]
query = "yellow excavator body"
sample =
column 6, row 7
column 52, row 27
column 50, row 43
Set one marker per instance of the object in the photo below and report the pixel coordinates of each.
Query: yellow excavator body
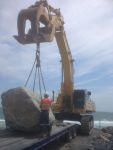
column 47, row 23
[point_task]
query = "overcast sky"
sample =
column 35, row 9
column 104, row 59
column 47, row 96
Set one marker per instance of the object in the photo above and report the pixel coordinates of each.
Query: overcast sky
column 89, row 29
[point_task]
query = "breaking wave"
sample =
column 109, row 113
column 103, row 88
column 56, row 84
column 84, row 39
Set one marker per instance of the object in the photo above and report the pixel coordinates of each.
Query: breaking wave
column 2, row 123
column 2, row 120
column 102, row 123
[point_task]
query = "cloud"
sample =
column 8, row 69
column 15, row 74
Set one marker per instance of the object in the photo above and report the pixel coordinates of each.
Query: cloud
column 103, row 96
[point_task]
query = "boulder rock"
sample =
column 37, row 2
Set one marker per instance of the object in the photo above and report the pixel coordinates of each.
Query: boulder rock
column 21, row 109
column 108, row 129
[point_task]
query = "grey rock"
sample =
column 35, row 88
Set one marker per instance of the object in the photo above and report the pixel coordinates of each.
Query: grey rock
column 103, row 141
column 108, row 129
column 21, row 109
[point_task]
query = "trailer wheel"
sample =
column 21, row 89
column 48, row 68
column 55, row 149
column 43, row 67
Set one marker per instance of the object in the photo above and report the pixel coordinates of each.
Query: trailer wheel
column 68, row 136
column 73, row 132
column 86, row 124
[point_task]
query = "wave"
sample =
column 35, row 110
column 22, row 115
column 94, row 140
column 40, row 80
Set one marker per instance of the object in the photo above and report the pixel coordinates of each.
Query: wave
column 97, row 123
column 2, row 120
column 2, row 124
column 102, row 123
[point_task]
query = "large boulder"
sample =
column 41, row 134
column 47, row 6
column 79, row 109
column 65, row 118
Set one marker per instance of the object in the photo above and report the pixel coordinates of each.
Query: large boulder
column 21, row 109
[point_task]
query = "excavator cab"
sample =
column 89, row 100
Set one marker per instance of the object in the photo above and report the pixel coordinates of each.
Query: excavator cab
column 80, row 98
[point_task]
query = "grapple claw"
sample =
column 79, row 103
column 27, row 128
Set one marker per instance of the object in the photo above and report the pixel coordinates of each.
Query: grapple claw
column 37, row 15
column 27, row 39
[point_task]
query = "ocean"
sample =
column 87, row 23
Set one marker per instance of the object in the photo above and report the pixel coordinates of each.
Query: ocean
column 101, row 119
column 2, row 121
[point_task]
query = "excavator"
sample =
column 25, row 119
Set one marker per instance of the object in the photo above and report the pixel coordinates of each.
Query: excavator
column 47, row 23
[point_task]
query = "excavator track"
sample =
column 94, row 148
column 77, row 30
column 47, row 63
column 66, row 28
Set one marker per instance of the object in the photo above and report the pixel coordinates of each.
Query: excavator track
column 86, row 124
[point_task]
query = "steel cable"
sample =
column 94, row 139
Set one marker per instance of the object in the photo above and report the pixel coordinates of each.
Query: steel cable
column 30, row 73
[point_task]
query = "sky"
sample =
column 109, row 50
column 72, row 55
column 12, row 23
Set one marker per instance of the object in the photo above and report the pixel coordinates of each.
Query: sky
column 89, row 30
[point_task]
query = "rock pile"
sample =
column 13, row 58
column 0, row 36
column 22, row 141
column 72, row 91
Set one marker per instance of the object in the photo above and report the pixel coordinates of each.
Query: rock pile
column 108, row 130
column 21, row 109
column 104, row 141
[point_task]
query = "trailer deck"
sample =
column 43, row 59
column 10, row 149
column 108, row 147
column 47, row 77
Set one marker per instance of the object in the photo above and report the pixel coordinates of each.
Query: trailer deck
column 12, row 140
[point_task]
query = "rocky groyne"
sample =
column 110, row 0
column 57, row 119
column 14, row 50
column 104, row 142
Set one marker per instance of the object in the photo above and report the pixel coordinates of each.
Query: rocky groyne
column 102, row 141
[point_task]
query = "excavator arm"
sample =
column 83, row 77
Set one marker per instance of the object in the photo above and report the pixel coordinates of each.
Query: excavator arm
column 47, row 23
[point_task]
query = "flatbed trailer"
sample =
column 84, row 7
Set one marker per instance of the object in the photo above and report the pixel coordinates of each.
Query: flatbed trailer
column 12, row 140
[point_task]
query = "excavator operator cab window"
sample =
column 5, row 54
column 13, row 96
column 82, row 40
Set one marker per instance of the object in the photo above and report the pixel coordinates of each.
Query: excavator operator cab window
column 87, row 95
column 79, row 98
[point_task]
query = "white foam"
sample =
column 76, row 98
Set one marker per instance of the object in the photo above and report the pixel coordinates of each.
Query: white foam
column 103, row 123
column 2, row 120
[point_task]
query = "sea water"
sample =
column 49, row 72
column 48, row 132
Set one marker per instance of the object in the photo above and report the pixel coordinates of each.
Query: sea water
column 101, row 119
column 2, row 121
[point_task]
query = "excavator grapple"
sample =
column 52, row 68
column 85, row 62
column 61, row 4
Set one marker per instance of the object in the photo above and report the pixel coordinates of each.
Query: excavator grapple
column 42, row 30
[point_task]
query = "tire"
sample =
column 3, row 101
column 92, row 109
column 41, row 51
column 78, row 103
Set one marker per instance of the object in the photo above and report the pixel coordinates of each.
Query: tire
column 73, row 132
column 68, row 136
column 86, row 124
